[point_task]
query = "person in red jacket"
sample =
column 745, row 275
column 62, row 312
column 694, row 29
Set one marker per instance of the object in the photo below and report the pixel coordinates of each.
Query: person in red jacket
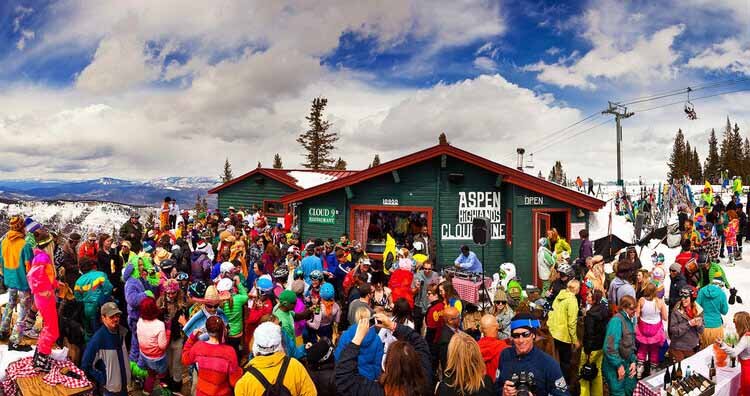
column 89, row 248
column 219, row 371
column 685, row 255
column 490, row 345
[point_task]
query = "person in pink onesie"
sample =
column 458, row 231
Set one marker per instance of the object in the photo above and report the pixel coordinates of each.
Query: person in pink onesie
column 43, row 283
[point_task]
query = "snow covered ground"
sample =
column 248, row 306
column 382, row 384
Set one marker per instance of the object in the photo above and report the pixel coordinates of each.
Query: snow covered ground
column 738, row 275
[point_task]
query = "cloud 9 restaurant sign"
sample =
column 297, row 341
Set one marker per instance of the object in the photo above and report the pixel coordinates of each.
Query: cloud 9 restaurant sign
column 322, row 215
column 472, row 205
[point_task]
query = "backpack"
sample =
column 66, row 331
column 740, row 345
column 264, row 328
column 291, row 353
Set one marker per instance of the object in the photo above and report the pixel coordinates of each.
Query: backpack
column 278, row 388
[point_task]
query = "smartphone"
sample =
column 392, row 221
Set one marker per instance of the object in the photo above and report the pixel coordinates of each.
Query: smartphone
column 374, row 321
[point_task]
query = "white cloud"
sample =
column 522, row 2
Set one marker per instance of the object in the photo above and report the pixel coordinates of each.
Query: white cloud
column 26, row 35
column 649, row 58
column 485, row 64
column 729, row 55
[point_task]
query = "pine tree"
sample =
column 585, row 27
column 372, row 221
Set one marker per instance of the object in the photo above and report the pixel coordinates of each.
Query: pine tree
column 277, row 164
column 712, row 166
column 227, row 176
column 317, row 141
column 340, row 164
column 557, row 175
column 738, row 155
column 688, row 156
column 442, row 139
column 698, row 176
column 725, row 151
column 746, row 160
column 375, row 161
column 677, row 164
column 540, row 175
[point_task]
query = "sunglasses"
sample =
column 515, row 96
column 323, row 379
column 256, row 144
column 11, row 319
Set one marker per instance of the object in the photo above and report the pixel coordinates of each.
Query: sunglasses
column 499, row 302
column 212, row 306
column 525, row 334
column 684, row 295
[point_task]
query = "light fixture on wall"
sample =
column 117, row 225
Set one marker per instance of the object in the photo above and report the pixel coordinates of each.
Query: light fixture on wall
column 581, row 213
column 456, row 177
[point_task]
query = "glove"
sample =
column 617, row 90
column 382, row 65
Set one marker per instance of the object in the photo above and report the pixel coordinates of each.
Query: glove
column 733, row 296
column 150, row 293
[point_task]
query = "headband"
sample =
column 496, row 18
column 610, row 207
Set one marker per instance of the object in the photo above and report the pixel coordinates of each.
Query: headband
column 530, row 323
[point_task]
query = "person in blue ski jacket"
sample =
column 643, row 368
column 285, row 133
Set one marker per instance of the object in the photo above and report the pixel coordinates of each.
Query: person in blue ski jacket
column 524, row 357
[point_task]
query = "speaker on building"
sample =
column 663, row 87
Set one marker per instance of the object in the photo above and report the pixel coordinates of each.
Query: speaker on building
column 456, row 177
column 480, row 230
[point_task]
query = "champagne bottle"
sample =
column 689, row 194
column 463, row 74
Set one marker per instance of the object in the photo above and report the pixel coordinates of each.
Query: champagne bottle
column 667, row 378
column 679, row 371
column 674, row 373
column 712, row 370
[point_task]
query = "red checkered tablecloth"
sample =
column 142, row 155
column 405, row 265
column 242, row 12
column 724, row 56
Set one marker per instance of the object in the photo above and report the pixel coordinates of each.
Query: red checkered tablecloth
column 468, row 290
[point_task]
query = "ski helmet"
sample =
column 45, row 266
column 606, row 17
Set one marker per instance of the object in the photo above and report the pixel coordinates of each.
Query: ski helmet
column 181, row 276
column 197, row 289
column 281, row 273
column 299, row 274
column 316, row 275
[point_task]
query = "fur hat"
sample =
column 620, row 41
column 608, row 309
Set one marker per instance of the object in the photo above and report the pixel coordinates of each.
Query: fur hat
column 16, row 223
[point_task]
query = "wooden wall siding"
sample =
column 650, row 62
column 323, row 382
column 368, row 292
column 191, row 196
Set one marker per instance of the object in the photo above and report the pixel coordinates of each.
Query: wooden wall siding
column 335, row 200
column 523, row 240
column 248, row 193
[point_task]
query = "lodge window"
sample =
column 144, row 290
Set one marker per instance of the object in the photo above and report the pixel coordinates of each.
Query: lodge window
column 273, row 208
column 370, row 224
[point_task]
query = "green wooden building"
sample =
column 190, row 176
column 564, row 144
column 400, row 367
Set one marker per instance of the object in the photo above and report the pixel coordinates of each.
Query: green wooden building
column 264, row 187
column 443, row 188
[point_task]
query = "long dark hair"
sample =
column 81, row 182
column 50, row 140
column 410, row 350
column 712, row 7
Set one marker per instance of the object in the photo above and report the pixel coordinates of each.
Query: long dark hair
column 403, row 374
column 401, row 311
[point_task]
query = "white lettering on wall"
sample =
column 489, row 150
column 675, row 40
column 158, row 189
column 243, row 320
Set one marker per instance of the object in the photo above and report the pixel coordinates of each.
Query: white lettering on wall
column 471, row 205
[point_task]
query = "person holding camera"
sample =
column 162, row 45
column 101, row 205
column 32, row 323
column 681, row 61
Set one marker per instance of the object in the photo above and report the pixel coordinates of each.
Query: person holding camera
column 406, row 367
column 524, row 369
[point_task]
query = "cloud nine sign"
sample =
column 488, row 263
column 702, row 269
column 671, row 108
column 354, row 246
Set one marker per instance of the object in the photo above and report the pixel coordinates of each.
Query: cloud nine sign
column 475, row 204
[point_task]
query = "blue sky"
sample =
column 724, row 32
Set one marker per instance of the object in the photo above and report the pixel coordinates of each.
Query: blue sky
column 235, row 80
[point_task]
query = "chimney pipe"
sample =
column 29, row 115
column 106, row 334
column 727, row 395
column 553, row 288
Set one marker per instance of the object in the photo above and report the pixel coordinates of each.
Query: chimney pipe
column 520, row 152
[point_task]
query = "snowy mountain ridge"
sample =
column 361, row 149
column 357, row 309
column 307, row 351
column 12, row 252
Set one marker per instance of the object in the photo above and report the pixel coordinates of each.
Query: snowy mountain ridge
column 135, row 192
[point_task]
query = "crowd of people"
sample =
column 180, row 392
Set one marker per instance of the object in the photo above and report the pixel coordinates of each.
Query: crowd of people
column 227, row 303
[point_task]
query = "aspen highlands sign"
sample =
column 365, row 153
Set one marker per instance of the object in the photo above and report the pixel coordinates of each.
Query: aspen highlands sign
column 471, row 205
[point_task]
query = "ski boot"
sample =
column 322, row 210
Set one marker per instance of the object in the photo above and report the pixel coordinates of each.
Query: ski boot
column 738, row 255
column 137, row 371
column 730, row 260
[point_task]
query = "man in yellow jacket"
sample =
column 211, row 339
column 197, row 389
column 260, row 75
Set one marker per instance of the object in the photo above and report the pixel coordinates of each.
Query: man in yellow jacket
column 562, row 323
column 269, row 362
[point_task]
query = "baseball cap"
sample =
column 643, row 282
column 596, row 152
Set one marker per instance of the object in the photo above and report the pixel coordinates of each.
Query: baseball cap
column 110, row 309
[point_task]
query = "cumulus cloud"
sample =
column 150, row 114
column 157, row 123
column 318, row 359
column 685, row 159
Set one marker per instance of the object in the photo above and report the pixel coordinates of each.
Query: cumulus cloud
column 729, row 55
column 647, row 59
column 485, row 64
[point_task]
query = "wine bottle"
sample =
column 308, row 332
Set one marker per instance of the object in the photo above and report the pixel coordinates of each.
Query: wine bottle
column 673, row 375
column 679, row 370
column 667, row 378
column 712, row 370
column 688, row 373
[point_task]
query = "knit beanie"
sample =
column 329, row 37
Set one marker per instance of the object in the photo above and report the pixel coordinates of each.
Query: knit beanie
column 31, row 225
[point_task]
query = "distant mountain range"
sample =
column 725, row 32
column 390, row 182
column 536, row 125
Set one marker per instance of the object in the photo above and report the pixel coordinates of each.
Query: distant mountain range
column 147, row 192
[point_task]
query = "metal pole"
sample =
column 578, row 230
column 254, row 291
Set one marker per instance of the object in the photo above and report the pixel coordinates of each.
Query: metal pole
column 613, row 109
column 619, row 153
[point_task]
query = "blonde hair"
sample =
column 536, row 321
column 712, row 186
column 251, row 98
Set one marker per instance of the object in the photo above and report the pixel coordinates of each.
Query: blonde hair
column 574, row 286
column 362, row 313
column 465, row 366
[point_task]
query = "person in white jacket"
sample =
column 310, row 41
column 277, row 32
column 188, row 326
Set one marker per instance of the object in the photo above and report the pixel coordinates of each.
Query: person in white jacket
column 545, row 260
